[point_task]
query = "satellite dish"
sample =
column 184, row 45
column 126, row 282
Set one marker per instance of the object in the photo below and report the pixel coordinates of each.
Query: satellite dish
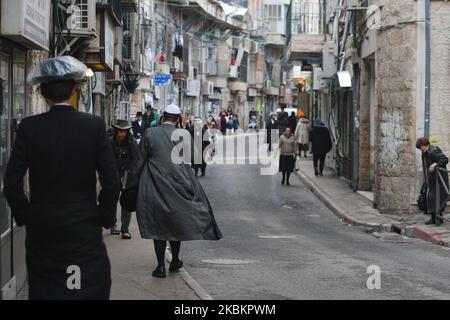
column 373, row 16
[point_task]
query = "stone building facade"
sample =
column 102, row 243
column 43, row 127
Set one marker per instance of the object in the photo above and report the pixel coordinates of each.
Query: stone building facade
column 390, row 97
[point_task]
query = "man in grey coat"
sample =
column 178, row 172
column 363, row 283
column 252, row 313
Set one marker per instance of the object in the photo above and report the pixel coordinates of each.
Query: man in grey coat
column 171, row 204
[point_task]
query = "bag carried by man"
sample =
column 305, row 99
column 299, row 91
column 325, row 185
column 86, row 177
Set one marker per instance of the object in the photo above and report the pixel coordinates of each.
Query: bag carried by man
column 422, row 200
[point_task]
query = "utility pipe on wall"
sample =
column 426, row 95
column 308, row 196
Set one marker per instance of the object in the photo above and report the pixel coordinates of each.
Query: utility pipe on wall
column 427, row 68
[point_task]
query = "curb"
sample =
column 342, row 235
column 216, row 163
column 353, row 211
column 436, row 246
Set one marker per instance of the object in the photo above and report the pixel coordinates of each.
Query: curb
column 187, row 278
column 427, row 235
column 414, row 231
column 337, row 210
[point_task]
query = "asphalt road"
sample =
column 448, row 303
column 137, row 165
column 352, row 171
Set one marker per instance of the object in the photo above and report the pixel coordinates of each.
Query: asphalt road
column 307, row 253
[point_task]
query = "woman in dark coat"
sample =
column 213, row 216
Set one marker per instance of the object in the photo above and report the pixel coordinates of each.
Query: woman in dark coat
column 320, row 138
column 433, row 158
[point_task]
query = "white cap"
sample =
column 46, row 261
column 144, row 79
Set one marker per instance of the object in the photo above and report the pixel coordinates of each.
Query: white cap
column 173, row 109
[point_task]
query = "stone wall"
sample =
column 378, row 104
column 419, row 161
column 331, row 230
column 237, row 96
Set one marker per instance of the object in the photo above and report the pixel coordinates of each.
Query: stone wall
column 396, row 94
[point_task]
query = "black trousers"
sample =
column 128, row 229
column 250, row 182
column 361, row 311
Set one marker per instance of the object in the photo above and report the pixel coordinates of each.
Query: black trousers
column 319, row 162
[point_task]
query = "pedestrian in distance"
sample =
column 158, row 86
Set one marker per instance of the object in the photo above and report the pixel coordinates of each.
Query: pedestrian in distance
column 124, row 148
column 223, row 123
column 171, row 204
column 292, row 121
column 283, row 119
column 272, row 124
column 287, row 155
column 63, row 150
column 432, row 159
column 302, row 134
column 201, row 142
column 321, row 144
column 236, row 123
column 138, row 126
column 230, row 125
column 149, row 116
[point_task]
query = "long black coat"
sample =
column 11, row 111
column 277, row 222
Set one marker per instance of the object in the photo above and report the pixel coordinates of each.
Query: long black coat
column 201, row 140
column 138, row 130
column 269, row 127
column 171, row 203
column 434, row 155
column 63, row 149
column 321, row 142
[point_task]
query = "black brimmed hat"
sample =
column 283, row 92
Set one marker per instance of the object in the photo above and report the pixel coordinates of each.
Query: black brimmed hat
column 122, row 125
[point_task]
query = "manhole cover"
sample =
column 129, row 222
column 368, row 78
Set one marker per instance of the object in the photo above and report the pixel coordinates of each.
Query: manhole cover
column 229, row 261
column 277, row 237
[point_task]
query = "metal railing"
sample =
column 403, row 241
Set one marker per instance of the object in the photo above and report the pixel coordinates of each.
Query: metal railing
column 441, row 204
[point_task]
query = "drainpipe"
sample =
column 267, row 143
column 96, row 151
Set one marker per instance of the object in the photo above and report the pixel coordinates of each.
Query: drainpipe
column 356, row 118
column 427, row 68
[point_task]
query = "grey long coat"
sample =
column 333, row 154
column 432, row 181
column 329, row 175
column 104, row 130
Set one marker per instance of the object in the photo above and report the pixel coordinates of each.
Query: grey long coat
column 171, row 203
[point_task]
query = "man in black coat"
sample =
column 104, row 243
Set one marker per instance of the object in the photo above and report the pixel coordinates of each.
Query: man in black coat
column 138, row 126
column 320, row 138
column 63, row 150
column 283, row 120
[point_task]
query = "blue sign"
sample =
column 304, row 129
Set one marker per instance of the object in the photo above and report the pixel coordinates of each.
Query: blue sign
column 162, row 79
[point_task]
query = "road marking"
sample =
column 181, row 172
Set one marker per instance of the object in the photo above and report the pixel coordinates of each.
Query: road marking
column 277, row 237
column 313, row 216
column 229, row 261
column 194, row 285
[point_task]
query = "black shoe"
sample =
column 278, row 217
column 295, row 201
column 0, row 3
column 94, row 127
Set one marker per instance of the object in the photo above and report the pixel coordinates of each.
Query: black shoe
column 282, row 182
column 316, row 173
column 159, row 272
column 431, row 221
column 321, row 174
column 175, row 265
column 287, row 183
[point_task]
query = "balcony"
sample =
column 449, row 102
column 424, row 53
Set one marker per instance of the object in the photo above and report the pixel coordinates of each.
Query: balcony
column 303, row 46
column 130, row 5
column 213, row 11
column 305, row 29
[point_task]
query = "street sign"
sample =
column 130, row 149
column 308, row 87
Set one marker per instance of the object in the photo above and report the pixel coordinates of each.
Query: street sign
column 162, row 79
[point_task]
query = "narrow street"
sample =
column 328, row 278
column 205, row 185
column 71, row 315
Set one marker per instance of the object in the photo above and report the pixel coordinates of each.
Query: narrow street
column 305, row 252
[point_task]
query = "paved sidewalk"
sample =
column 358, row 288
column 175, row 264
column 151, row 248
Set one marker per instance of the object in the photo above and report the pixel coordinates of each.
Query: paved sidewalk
column 355, row 209
column 132, row 263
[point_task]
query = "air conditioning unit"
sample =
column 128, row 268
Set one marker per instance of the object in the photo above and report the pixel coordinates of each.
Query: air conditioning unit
column 234, row 73
column 78, row 17
column 208, row 88
column 255, row 47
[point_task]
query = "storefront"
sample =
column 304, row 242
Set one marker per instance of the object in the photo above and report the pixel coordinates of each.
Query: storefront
column 13, row 102
column 27, row 29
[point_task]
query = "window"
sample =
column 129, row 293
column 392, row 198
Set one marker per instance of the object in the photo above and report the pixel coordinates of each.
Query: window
column 307, row 17
column 274, row 18
column 5, row 218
